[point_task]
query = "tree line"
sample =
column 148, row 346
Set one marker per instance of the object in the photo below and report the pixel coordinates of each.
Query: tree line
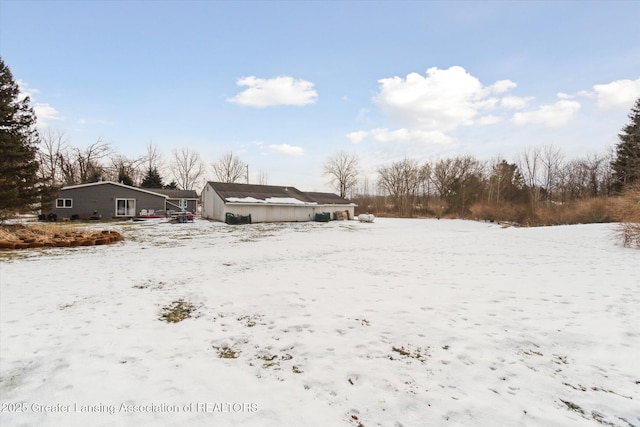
column 33, row 166
column 63, row 164
column 539, row 178
column 453, row 185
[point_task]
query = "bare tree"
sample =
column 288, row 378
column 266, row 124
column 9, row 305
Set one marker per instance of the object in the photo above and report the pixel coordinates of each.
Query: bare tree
column 551, row 161
column 126, row 170
column 458, row 181
column 401, row 180
column 187, row 168
column 229, row 168
column 153, row 158
column 364, row 196
column 600, row 173
column 53, row 142
column 79, row 166
column 443, row 176
column 153, row 168
column 529, row 165
column 426, row 170
column 583, row 178
column 342, row 169
column 262, row 178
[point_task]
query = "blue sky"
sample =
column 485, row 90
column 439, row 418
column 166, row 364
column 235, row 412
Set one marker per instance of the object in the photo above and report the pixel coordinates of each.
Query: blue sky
column 285, row 85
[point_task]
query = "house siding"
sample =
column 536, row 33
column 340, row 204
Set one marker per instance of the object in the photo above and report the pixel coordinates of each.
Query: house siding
column 174, row 205
column 175, row 196
column 102, row 199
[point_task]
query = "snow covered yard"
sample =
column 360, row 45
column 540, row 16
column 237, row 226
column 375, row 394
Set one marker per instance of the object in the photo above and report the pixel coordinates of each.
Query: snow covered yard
column 395, row 323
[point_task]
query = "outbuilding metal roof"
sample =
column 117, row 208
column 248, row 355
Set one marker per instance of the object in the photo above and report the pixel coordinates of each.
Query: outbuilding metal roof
column 253, row 193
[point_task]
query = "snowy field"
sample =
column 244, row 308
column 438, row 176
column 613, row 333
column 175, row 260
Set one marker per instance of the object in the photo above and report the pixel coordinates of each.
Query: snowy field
column 395, row 323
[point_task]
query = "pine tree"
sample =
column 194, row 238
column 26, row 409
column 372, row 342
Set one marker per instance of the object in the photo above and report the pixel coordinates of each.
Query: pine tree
column 152, row 179
column 20, row 187
column 626, row 165
column 123, row 177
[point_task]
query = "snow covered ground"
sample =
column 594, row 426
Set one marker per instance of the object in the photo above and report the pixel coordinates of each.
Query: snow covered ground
column 399, row 322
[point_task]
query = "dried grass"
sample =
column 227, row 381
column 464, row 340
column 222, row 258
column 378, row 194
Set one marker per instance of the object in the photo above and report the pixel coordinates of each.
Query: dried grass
column 586, row 211
column 20, row 236
column 628, row 214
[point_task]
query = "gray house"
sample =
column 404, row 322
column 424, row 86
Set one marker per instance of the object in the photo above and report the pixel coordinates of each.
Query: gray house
column 176, row 197
column 107, row 199
column 269, row 203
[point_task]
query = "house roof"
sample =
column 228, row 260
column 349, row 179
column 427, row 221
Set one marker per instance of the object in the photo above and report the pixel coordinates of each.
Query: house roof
column 176, row 194
column 328, row 198
column 93, row 184
column 253, row 193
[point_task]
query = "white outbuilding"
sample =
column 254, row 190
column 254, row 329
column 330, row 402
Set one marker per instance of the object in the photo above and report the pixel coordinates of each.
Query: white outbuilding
column 269, row 203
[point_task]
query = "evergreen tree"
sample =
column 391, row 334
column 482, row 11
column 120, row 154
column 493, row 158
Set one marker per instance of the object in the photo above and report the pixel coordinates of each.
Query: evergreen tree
column 20, row 187
column 626, row 164
column 152, row 179
column 123, row 177
column 505, row 183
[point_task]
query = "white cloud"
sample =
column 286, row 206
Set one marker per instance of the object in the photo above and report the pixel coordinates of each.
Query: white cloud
column 551, row 116
column 402, row 135
column 45, row 113
column 488, row 120
column 282, row 90
column 287, row 150
column 25, row 90
column 502, row 86
column 618, row 94
column 515, row 102
column 358, row 136
column 441, row 101
column 428, row 107
column 586, row 94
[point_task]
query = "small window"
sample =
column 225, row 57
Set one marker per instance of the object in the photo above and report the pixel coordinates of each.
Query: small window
column 64, row 203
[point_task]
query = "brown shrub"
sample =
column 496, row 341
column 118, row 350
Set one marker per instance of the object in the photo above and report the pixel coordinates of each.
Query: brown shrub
column 585, row 211
column 501, row 213
column 577, row 212
column 628, row 213
column 20, row 236
column 593, row 210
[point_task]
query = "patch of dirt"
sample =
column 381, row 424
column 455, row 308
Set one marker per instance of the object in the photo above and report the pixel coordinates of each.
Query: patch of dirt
column 226, row 352
column 177, row 311
column 418, row 353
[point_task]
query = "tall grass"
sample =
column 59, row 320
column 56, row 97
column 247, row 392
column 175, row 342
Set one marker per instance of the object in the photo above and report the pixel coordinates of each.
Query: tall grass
column 628, row 213
column 576, row 212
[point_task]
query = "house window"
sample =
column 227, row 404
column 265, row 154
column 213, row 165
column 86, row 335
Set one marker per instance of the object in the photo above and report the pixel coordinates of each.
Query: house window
column 125, row 207
column 64, row 203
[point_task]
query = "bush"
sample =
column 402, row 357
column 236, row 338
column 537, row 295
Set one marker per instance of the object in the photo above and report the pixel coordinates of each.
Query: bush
column 628, row 213
column 577, row 212
column 585, row 211
column 503, row 212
